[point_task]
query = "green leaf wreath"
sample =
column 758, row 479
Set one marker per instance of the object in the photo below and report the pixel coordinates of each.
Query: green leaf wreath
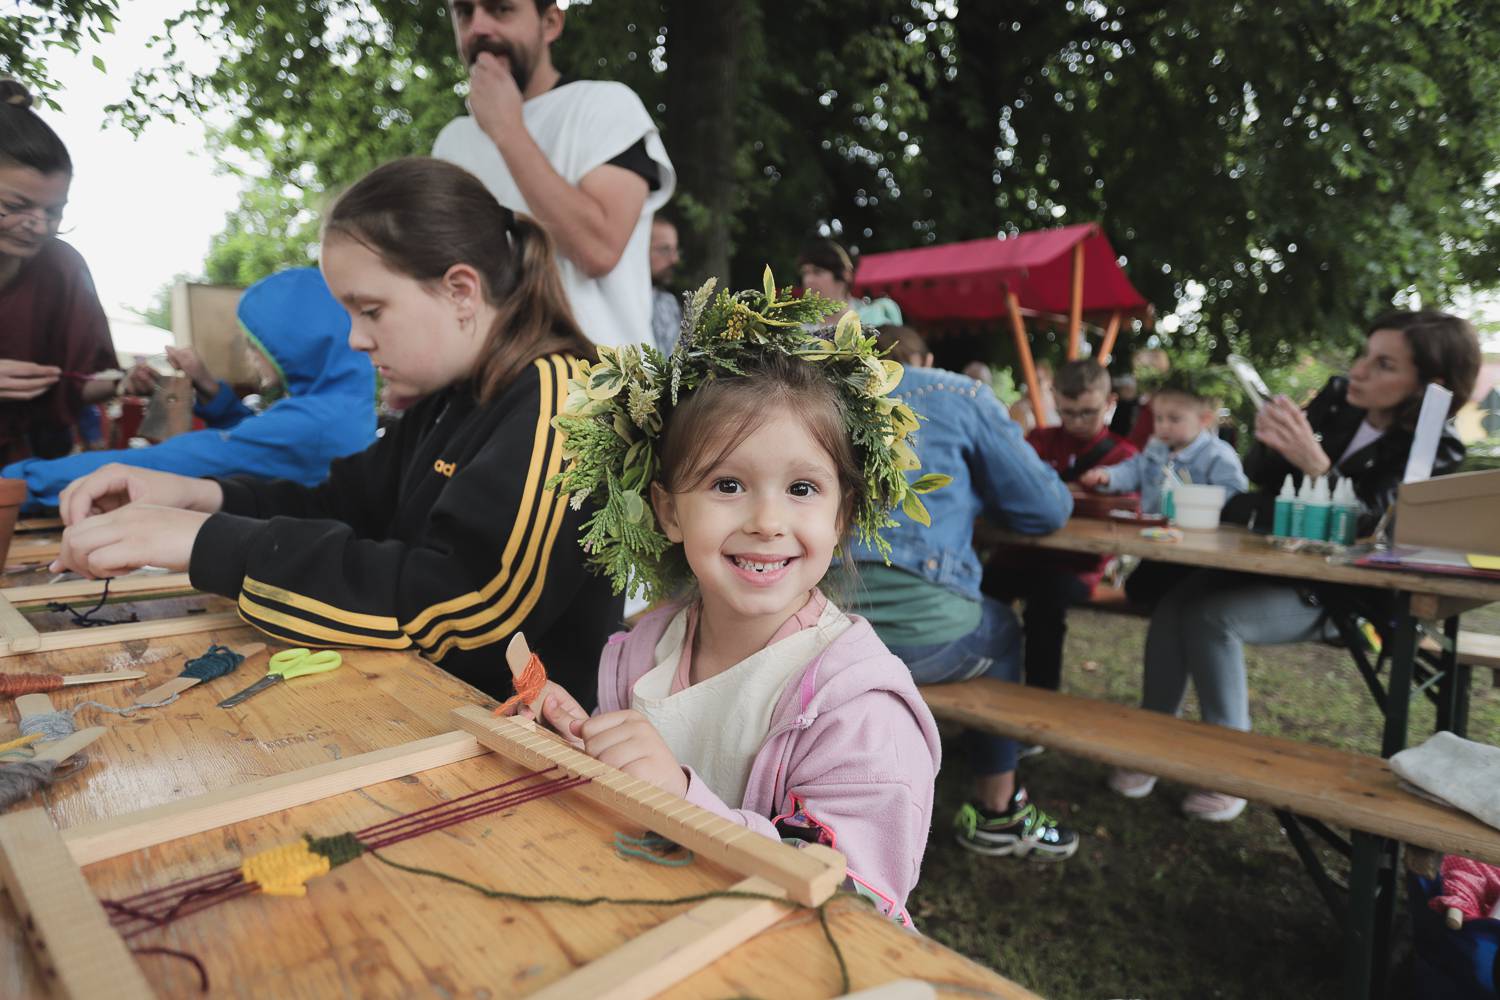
column 614, row 415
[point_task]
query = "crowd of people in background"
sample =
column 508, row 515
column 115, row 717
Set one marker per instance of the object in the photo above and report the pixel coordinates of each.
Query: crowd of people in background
column 472, row 286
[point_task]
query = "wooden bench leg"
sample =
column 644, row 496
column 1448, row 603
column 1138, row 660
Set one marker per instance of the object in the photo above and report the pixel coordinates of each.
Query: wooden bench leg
column 1370, row 917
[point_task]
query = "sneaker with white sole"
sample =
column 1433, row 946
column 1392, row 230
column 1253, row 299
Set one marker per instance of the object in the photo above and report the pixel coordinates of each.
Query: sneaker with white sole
column 1021, row 830
column 1029, row 750
column 1132, row 784
column 1214, row 807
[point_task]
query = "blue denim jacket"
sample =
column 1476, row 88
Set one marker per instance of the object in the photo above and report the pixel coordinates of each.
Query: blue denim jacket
column 1207, row 460
column 968, row 435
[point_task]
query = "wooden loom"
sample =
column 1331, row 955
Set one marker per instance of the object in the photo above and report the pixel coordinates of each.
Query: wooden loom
column 82, row 956
column 17, row 635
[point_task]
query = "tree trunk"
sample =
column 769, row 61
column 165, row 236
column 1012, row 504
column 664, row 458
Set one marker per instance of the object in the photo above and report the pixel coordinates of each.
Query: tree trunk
column 704, row 45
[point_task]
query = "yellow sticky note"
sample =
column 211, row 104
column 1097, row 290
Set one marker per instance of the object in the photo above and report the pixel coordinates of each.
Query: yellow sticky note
column 1484, row 562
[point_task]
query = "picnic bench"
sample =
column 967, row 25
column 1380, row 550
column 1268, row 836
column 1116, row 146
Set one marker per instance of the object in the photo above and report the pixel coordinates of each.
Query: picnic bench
column 1308, row 786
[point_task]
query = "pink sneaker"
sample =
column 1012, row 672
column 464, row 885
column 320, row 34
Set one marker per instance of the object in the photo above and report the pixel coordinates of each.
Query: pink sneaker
column 1215, row 807
column 1132, row 784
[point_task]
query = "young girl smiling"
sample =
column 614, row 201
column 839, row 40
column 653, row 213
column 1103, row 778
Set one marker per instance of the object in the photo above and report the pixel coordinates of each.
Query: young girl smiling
column 751, row 694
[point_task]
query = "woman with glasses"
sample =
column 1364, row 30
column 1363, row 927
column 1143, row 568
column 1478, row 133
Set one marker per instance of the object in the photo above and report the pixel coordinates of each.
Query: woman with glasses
column 53, row 335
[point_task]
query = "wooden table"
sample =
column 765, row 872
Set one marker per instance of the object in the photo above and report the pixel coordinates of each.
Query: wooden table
column 1418, row 595
column 368, row 930
column 1375, row 862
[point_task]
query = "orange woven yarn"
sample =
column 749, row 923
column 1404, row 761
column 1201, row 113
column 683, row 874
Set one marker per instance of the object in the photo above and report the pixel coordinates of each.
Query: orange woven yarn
column 15, row 685
column 528, row 686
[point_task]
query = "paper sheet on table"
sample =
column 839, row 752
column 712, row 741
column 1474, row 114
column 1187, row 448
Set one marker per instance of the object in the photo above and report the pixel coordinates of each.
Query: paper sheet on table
column 1485, row 562
column 1424, row 443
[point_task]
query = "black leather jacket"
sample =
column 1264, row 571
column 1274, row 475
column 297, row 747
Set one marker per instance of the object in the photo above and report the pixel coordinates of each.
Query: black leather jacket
column 1376, row 469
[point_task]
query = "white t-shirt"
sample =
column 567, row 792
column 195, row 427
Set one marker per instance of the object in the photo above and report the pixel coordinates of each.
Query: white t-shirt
column 580, row 126
column 719, row 725
column 1364, row 436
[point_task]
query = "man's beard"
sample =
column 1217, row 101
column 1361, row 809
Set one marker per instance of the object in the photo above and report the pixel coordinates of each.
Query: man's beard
column 522, row 66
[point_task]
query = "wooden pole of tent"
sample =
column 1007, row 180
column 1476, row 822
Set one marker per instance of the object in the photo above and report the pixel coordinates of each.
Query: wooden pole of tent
column 1075, row 310
column 1023, row 350
column 1110, row 333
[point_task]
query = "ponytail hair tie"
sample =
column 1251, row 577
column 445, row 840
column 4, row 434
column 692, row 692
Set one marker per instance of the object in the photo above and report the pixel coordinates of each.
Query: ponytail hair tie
column 510, row 219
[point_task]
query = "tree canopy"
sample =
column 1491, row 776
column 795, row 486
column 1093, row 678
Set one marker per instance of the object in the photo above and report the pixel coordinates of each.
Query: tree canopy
column 1293, row 165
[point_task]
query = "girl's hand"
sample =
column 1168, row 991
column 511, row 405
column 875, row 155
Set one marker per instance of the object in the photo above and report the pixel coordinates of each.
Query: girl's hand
column 560, row 710
column 126, row 539
column 1094, row 479
column 1283, row 428
column 141, row 380
column 626, row 740
column 186, row 360
column 115, row 485
column 22, row 380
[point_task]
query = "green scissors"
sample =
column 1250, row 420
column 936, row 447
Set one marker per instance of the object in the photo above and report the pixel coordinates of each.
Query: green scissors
column 285, row 665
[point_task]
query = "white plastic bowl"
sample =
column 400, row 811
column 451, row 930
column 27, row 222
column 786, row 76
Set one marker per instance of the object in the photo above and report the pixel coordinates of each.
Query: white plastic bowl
column 1197, row 508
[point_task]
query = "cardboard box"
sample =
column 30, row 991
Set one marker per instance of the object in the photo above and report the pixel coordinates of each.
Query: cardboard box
column 1459, row 512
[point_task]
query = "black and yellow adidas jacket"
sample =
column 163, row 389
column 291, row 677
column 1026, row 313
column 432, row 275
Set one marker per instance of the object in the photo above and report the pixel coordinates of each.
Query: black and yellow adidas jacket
column 441, row 537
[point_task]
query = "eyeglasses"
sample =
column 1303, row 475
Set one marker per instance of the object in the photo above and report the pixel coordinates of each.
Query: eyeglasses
column 664, row 249
column 12, row 207
column 1080, row 414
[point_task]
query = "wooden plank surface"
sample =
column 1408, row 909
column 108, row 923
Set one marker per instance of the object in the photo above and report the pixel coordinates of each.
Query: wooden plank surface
column 367, row 929
column 1233, row 548
column 34, row 548
column 1331, row 785
column 85, row 958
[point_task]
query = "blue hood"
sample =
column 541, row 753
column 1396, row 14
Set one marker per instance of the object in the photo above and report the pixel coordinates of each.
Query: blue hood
column 296, row 321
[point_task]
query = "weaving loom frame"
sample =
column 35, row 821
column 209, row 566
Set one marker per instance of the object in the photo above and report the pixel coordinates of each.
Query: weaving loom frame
column 18, row 636
column 80, row 954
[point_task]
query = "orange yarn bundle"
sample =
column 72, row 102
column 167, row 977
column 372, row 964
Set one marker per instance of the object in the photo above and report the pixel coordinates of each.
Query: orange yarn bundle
column 529, row 685
column 15, row 685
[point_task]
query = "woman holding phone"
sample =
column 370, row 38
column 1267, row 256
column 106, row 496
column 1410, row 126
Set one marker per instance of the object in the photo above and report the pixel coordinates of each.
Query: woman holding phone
column 1359, row 427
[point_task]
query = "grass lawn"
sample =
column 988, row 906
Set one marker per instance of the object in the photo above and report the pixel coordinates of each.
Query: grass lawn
column 1153, row 906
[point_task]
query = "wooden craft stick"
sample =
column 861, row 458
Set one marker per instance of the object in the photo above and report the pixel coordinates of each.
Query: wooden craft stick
column 126, row 631
column 33, row 704
column 31, row 549
column 517, row 655
column 26, row 524
column 896, row 989
column 102, row 677
column 78, row 953
column 668, row 953
column 61, row 750
column 16, row 633
column 179, row 684
column 68, row 590
column 808, row 876
column 109, row 838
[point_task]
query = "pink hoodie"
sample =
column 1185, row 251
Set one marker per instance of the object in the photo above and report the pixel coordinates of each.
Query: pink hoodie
column 852, row 748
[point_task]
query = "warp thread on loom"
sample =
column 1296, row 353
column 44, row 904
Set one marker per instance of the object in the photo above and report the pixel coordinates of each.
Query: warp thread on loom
column 285, row 870
column 86, row 619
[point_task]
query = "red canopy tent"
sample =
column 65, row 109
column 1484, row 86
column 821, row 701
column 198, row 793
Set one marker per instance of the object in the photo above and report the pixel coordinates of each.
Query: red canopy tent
column 1072, row 271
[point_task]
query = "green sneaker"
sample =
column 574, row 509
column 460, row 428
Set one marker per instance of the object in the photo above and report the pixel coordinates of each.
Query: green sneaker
column 1021, row 830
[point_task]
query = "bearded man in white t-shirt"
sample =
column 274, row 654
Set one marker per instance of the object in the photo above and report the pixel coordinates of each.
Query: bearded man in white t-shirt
column 583, row 157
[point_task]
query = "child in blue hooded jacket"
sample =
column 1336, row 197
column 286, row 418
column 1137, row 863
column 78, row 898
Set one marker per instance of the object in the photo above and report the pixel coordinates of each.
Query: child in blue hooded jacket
column 328, row 411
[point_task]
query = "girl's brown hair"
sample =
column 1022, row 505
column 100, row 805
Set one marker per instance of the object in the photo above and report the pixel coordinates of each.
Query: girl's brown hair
column 422, row 216
column 26, row 139
column 1444, row 349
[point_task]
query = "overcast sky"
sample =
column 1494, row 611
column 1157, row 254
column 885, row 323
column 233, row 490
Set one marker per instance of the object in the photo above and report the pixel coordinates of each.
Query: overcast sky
column 140, row 211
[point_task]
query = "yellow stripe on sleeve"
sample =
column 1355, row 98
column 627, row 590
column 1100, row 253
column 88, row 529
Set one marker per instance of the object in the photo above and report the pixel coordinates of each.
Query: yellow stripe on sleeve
column 381, row 623
column 520, row 531
column 256, row 613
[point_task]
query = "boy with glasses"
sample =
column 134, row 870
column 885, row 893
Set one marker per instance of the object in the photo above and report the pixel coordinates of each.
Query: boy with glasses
column 1051, row 582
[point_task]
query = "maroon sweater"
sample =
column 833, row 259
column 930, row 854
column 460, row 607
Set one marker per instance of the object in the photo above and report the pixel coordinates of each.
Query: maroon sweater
column 50, row 315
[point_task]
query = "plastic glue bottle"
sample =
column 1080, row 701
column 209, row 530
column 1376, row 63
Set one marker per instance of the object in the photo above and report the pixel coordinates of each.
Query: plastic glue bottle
column 1281, row 522
column 1299, row 509
column 1344, row 525
column 1319, row 508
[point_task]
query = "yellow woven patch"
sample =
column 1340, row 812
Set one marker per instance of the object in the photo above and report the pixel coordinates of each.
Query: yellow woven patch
column 284, row 870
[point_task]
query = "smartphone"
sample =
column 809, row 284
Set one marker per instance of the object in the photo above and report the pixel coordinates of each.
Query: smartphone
column 1255, row 386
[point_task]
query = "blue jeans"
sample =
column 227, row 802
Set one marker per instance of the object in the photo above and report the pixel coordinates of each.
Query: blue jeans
column 991, row 650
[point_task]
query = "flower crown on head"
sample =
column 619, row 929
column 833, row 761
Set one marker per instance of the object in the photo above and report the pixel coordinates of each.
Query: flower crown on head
column 614, row 415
